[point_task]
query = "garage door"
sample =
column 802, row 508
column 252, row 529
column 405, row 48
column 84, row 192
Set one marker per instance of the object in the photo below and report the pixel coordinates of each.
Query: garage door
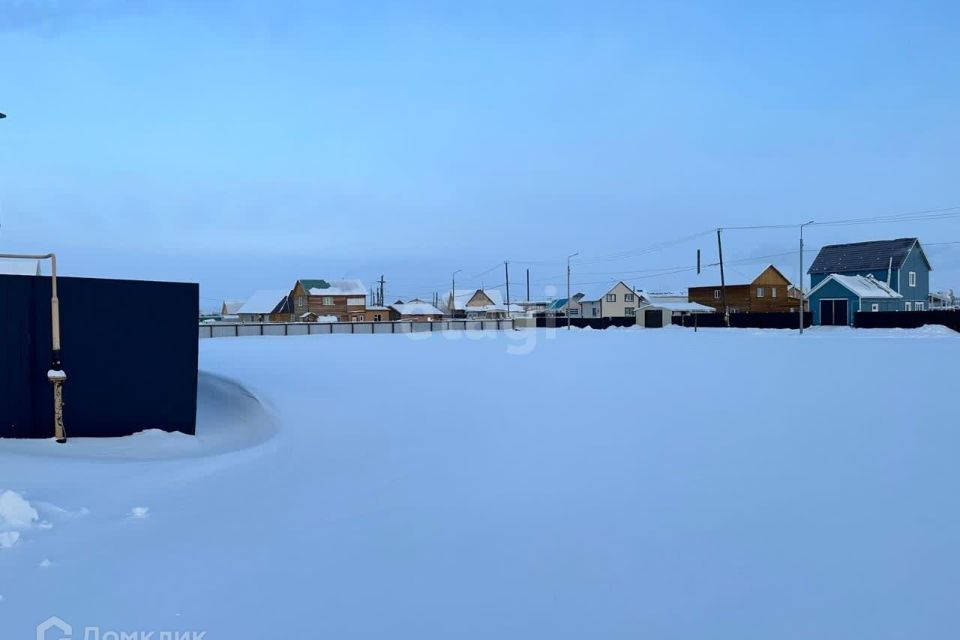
column 833, row 313
column 653, row 319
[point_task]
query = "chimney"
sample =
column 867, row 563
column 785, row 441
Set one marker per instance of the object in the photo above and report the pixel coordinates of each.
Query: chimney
column 890, row 271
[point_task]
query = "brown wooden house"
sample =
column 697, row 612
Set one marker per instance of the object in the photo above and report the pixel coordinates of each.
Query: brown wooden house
column 770, row 291
column 345, row 299
column 380, row 313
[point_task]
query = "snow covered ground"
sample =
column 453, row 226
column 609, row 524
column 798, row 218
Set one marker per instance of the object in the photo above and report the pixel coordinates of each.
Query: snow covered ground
column 534, row 484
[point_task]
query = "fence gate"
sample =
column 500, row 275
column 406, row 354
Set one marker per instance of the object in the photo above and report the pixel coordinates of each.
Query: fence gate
column 834, row 313
column 123, row 376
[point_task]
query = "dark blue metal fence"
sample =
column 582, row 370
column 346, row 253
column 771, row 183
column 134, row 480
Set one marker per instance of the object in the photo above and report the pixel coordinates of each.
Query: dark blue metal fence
column 583, row 323
column 774, row 320
column 129, row 349
column 906, row 319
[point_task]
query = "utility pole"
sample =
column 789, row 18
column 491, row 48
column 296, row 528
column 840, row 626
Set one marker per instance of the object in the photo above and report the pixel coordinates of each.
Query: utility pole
column 528, row 285
column 723, row 282
column 801, row 274
column 382, row 282
column 567, row 313
column 452, row 306
column 506, row 269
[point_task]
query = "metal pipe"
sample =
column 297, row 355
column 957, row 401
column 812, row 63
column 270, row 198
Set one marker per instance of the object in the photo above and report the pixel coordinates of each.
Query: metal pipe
column 55, row 375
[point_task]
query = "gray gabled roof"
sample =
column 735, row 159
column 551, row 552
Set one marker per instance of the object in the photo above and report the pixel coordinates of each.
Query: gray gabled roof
column 863, row 256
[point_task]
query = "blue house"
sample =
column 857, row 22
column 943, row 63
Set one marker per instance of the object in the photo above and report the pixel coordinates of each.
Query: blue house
column 837, row 298
column 882, row 275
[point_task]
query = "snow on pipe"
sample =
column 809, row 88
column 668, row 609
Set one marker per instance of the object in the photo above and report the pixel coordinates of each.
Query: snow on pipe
column 55, row 375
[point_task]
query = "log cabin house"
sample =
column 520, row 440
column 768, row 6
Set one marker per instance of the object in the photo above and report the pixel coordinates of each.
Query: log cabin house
column 769, row 292
column 345, row 299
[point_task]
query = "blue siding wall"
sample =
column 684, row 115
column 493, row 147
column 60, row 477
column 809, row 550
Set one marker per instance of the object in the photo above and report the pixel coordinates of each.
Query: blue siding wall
column 884, row 304
column 834, row 290
column 916, row 263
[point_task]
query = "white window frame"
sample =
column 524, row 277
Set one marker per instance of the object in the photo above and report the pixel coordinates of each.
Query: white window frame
column 918, row 306
column 716, row 294
column 874, row 307
column 759, row 292
column 327, row 301
column 912, row 278
column 628, row 297
column 773, row 292
column 611, row 297
column 629, row 311
column 908, row 306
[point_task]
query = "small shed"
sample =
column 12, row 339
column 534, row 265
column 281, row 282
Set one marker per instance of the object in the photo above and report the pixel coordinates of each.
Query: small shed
column 836, row 299
column 656, row 314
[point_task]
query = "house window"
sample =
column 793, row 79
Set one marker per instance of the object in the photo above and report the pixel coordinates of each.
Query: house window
column 773, row 292
column 574, row 312
column 628, row 311
column 874, row 307
column 908, row 306
column 913, row 278
column 301, row 303
column 628, row 297
column 611, row 297
column 918, row 306
column 716, row 294
column 327, row 301
column 356, row 318
column 596, row 312
column 376, row 317
column 759, row 292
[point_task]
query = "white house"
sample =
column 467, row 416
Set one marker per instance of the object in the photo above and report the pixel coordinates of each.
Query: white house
column 268, row 305
column 658, row 310
column 618, row 301
column 476, row 304
column 943, row 300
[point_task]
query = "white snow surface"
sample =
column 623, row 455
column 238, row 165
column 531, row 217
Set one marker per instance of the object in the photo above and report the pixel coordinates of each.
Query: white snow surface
column 349, row 287
column 15, row 511
column 263, row 301
column 861, row 286
column 751, row 496
column 416, row 309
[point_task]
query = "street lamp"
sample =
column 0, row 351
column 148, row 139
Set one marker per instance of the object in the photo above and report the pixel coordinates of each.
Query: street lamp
column 801, row 273
column 567, row 313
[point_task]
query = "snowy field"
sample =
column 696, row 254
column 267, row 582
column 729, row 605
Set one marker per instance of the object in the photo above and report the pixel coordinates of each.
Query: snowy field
column 571, row 484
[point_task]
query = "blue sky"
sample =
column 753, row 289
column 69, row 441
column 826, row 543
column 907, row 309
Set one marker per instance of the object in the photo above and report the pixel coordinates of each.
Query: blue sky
column 246, row 144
